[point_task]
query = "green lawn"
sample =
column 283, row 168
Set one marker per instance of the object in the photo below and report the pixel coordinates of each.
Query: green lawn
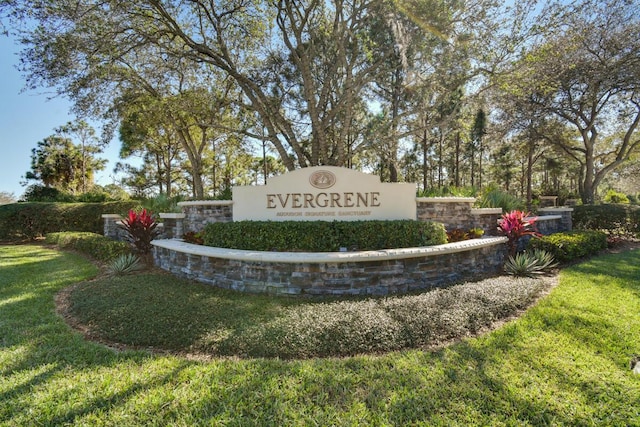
column 563, row 363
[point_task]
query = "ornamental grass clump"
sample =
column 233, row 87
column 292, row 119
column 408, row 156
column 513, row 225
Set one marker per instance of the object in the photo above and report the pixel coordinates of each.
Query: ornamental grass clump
column 141, row 228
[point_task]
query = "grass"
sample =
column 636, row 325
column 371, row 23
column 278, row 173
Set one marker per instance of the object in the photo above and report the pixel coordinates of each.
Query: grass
column 565, row 362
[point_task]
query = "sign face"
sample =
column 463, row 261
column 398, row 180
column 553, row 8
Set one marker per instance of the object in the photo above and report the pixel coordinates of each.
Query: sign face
column 326, row 193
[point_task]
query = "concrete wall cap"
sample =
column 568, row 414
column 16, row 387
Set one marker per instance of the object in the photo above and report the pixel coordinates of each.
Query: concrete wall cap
column 207, row 203
column 172, row 215
column 557, row 209
column 445, row 199
column 546, row 217
column 486, row 211
column 327, row 257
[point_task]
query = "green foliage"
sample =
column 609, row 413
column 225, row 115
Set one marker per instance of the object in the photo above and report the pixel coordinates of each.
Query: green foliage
column 496, row 198
column 163, row 204
column 124, row 264
column 193, row 237
column 40, row 193
column 616, row 219
column 529, row 263
column 94, row 245
column 97, row 194
column 447, row 191
column 571, row 245
column 21, row 221
column 323, row 236
column 459, row 234
column 614, row 196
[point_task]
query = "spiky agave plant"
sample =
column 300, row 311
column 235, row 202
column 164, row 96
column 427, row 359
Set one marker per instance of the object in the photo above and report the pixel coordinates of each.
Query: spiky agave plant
column 529, row 264
column 124, row 264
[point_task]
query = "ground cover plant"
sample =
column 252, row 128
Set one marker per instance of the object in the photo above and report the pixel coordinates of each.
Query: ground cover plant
column 565, row 362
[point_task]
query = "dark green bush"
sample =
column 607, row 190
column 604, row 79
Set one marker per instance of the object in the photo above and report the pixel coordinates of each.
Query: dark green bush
column 20, row 221
column 323, row 236
column 617, row 219
column 94, row 245
column 572, row 245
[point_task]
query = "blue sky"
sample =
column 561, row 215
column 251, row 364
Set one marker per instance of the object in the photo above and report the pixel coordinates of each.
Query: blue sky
column 27, row 118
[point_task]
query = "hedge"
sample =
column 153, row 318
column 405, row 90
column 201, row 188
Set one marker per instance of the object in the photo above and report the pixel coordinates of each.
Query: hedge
column 323, row 236
column 571, row 245
column 94, row 245
column 617, row 219
column 21, row 221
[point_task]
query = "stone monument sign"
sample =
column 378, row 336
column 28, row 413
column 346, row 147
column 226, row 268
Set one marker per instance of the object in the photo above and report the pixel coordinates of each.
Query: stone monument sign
column 326, row 193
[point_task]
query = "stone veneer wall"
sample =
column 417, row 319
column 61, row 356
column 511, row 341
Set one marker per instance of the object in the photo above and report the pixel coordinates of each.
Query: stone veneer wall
column 352, row 273
column 199, row 213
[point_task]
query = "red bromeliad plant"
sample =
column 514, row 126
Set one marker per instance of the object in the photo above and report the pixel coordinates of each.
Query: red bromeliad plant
column 515, row 225
column 141, row 230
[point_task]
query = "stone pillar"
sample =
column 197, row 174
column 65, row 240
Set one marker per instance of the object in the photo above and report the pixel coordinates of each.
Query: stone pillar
column 173, row 225
column 548, row 201
column 565, row 213
column 487, row 219
column 111, row 226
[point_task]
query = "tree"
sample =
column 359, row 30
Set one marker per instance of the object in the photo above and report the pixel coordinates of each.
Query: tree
column 58, row 163
column 89, row 146
column 585, row 73
column 303, row 68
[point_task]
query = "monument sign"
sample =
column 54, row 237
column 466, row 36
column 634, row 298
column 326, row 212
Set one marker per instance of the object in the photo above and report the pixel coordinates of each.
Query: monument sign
column 327, row 193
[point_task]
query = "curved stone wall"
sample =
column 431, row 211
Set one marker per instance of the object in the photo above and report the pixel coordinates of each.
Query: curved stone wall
column 334, row 273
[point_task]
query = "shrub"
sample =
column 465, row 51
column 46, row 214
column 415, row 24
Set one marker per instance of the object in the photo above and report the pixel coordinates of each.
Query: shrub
column 20, row 221
column 571, row 245
column 40, row 193
column 614, row 196
column 193, row 237
column 94, row 245
column 459, row 234
column 611, row 218
column 141, row 230
column 323, row 236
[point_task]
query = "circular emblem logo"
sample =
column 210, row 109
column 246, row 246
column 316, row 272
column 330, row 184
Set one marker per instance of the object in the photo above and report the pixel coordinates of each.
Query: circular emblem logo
column 322, row 179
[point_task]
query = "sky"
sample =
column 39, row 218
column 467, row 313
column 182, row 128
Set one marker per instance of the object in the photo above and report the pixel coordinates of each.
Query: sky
column 27, row 118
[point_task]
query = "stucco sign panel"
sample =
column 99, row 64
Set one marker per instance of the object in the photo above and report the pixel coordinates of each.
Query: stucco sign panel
column 326, row 193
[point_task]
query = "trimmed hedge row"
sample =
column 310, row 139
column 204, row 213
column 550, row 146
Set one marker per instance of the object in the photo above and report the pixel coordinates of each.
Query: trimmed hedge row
column 323, row 236
column 94, row 245
column 21, row 221
column 571, row 245
column 617, row 219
